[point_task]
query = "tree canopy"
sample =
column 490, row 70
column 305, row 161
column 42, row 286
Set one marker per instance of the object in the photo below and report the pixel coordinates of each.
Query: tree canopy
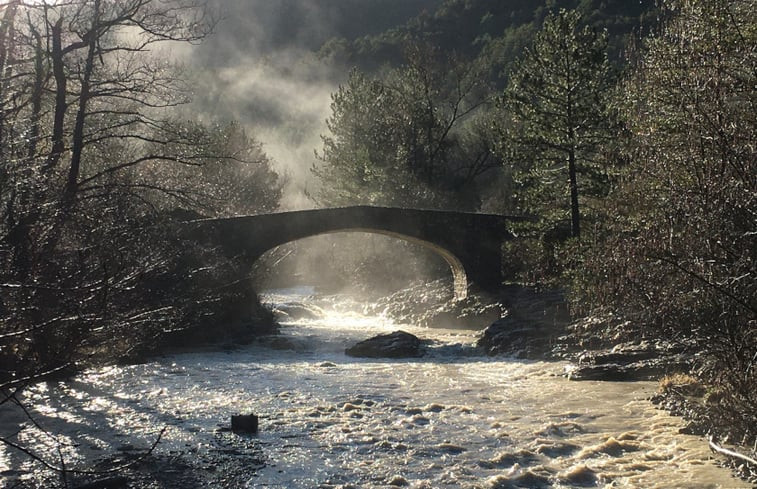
column 94, row 154
column 404, row 137
column 557, row 105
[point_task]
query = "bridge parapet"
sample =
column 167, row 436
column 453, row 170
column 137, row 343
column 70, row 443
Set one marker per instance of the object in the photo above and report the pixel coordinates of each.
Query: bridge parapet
column 471, row 243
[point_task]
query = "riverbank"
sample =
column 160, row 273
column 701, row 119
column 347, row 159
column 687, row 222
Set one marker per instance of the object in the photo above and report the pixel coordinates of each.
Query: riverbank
column 603, row 347
column 53, row 432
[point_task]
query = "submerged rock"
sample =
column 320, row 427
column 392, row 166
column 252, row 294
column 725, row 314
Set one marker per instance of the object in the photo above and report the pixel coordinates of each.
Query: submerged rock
column 296, row 311
column 398, row 344
column 398, row 481
column 279, row 342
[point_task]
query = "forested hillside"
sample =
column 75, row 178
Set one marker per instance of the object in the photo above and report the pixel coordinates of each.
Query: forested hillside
column 96, row 163
column 465, row 26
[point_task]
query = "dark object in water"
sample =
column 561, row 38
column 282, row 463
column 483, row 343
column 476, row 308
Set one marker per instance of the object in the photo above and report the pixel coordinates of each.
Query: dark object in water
column 109, row 483
column 244, row 423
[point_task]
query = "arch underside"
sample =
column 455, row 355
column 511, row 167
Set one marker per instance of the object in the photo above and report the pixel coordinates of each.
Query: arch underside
column 460, row 279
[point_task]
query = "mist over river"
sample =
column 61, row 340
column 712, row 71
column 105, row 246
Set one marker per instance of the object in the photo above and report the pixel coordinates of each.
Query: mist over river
column 451, row 419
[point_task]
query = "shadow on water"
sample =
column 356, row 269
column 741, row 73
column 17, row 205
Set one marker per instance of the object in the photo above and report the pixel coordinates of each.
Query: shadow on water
column 99, row 433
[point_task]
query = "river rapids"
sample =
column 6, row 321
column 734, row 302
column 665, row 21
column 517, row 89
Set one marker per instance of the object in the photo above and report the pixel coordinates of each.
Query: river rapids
column 450, row 419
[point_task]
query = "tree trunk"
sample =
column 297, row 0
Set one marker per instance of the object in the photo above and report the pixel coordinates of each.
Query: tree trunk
column 60, row 95
column 81, row 114
column 6, row 49
column 575, row 216
column 39, row 80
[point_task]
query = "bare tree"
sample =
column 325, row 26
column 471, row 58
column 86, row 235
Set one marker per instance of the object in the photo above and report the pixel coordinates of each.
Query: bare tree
column 109, row 84
column 85, row 97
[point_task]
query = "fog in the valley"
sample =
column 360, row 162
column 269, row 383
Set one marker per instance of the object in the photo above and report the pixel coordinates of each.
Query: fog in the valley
column 261, row 67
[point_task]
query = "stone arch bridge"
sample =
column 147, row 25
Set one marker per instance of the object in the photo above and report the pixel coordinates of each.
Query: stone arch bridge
column 471, row 243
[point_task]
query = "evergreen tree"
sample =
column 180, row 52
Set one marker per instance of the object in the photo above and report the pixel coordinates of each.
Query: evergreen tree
column 408, row 137
column 556, row 100
column 358, row 165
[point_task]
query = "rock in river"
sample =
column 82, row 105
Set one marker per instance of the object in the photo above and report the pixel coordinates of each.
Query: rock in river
column 398, row 344
column 534, row 319
column 297, row 311
column 631, row 362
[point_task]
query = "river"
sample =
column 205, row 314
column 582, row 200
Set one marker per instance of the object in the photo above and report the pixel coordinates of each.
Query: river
column 451, row 419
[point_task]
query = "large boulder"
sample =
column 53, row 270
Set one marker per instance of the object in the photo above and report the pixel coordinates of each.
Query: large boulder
column 398, row 344
column 533, row 321
column 509, row 336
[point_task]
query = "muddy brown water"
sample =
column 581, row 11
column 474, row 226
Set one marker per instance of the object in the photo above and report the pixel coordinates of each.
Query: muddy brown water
column 452, row 419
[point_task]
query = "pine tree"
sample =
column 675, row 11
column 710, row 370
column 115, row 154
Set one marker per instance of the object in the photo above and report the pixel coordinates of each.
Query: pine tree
column 408, row 136
column 556, row 100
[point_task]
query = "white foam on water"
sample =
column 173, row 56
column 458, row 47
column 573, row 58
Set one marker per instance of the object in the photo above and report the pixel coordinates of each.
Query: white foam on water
column 452, row 419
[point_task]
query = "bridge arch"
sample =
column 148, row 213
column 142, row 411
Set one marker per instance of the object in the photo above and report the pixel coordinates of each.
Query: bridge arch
column 470, row 243
column 459, row 276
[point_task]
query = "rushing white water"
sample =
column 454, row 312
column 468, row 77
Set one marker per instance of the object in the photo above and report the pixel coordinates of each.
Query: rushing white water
column 452, row 419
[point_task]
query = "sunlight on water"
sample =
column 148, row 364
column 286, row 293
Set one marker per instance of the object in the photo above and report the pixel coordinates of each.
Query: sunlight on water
column 450, row 419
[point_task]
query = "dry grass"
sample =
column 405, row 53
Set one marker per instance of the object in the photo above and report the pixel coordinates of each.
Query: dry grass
column 682, row 383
